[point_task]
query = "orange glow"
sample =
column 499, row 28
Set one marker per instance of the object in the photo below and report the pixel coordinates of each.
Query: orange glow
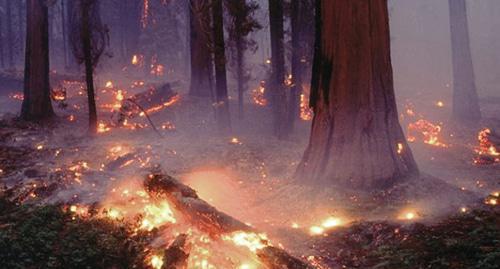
column 426, row 131
column 486, row 149
column 258, row 96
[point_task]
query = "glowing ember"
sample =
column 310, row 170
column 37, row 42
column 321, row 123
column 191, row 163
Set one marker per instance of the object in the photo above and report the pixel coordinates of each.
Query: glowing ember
column 137, row 60
column 109, row 84
column 157, row 70
column 288, row 80
column 258, row 96
column 157, row 215
column 439, row 104
column 488, row 152
column 168, row 126
column 252, row 241
column 235, row 141
column 306, row 112
column 400, row 148
column 408, row 215
column 426, row 131
column 492, row 201
column 103, row 128
column 316, row 230
column 39, row 147
column 145, row 13
column 268, row 61
column 17, row 96
column 331, row 222
column 156, row 262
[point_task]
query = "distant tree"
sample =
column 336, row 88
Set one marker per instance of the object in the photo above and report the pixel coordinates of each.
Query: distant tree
column 36, row 104
column 2, row 59
column 356, row 139
column 241, row 22
column 10, row 34
column 222, row 103
column 20, row 25
column 201, row 49
column 89, row 38
column 465, row 99
column 277, row 87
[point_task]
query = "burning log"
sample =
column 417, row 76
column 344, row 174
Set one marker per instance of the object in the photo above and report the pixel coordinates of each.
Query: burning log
column 214, row 222
column 150, row 101
column 176, row 254
column 489, row 147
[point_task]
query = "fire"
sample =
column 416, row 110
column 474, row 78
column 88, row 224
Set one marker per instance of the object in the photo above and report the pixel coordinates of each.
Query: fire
column 306, row 112
column 258, row 96
column 119, row 98
column 408, row 215
column 235, row 141
column 328, row 223
column 17, row 96
column 156, row 262
column 439, row 104
column 252, row 241
column 168, row 126
column 316, row 230
column 145, row 13
column 288, row 80
column 428, row 131
column 137, row 60
column 488, row 152
column 157, row 108
column 109, row 84
column 157, row 70
column 103, row 128
column 157, row 215
column 400, row 148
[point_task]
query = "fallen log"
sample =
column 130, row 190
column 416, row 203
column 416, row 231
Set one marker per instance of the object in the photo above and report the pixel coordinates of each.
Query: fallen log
column 212, row 221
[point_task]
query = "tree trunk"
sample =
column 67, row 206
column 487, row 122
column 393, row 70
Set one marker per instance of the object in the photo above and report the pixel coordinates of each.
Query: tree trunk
column 240, row 61
column 356, row 139
column 465, row 99
column 222, row 102
column 72, row 62
column 2, row 59
column 201, row 60
column 294, row 99
column 10, row 34
column 64, row 35
column 20, row 26
column 277, row 91
column 89, row 65
column 36, row 104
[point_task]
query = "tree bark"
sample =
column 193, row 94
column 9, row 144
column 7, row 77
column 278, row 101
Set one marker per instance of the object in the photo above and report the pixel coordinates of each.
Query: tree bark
column 2, row 59
column 277, row 92
column 465, row 99
column 36, row 104
column 222, row 102
column 201, row 60
column 20, row 26
column 240, row 61
column 89, row 65
column 10, row 34
column 356, row 139
column 64, row 35
column 296, row 90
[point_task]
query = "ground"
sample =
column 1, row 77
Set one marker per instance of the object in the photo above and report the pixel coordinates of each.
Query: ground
column 249, row 175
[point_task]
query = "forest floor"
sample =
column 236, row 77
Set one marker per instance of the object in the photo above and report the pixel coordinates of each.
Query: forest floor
column 247, row 174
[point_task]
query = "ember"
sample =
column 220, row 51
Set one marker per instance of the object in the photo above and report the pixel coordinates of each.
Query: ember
column 488, row 153
column 258, row 96
column 426, row 131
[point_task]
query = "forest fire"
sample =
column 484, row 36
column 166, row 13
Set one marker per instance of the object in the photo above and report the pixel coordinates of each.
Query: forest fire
column 258, row 94
column 426, row 131
column 487, row 151
column 306, row 112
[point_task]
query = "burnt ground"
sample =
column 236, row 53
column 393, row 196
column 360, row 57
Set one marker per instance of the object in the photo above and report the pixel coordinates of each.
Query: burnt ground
column 252, row 180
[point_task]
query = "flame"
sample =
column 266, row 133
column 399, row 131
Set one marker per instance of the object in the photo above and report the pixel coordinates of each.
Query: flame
column 306, row 112
column 138, row 60
column 145, row 13
column 486, row 149
column 252, row 241
column 17, row 96
column 235, row 141
column 157, row 215
column 157, row 108
column 428, row 131
column 408, row 215
column 327, row 224
column 439, row 104
column 400, row 148
column 157, row 70
column 103, row 128
column 258, row 96
column 156, row 262
column 109, row 84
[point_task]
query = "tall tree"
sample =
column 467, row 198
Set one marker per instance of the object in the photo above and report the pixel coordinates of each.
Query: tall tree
column 36, row 104
column 241, row 24
column 200, row 43
column 465, row 99
column 10, row 34
column 20, row 25
column 278, row 93
column 89, row 38
column 64, row 33
column 356, row 139
column 222, row 102
column 2, row 59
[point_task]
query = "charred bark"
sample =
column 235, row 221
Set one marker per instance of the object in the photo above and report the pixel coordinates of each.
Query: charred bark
column 356, row 139
column 176, row 255
column 36, row 104
column 465, row 99
column 201, row 59
column 222, row 102
column 277, row 91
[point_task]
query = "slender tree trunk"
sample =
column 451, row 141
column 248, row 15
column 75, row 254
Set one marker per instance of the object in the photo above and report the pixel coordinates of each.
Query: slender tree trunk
column 2, row 59
column 278, row 93
column 20, row 26
column 297, row 53
column 36, row 104
column 89, row 66
column 201, row 60
column 222, row 102
column 70, row 9
column 10, row 34
column 64, row 34
column 356, row 139
column 465, row 99
column 240, row 54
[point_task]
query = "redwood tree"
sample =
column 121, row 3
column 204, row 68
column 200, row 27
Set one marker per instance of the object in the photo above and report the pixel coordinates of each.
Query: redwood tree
column 465, row 99
column 36, row 104
column 356, row 139
column 201, row 58
column 277, row 91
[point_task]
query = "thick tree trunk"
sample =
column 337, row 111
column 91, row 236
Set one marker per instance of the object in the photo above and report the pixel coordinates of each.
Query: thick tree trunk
column 64, row 35
column 10, row 34
column 201, row 60
column 465, row 99
column 222, row 102
column 356, row 139
column 89, row 65
column 36, row 104
column 296, row 90
column 278, row 93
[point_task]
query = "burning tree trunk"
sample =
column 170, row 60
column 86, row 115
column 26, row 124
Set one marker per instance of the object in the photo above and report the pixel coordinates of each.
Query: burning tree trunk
column 10, row 35
column 356, row 139
column 465, row 99
column 88, row 38
column 36, row 104
column 222, row 104
column 278, row 94
column 201, row 60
